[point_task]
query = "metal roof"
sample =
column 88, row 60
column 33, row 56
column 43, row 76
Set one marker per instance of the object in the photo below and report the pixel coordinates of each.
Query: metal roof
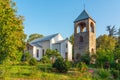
column 82, row 16
column 47, row 38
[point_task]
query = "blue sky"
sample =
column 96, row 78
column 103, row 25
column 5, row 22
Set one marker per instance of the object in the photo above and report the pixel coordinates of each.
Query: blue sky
column 56, row 16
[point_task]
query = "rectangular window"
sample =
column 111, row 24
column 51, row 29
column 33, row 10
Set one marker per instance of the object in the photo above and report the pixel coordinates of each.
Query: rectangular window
column 37, row 53
column 43, row 52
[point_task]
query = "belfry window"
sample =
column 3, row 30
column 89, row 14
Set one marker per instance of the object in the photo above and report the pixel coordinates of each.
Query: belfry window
column 92, row 27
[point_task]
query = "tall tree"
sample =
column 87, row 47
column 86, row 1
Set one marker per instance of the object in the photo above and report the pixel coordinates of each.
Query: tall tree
column 71, row 39
column 111, row 30
column 34, row 36
column 105, row 42
column 12, row 36
column 118, row 33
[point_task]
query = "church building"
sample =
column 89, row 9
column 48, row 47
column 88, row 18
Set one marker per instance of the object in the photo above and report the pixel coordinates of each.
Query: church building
column 37, row 48
column 84, row 35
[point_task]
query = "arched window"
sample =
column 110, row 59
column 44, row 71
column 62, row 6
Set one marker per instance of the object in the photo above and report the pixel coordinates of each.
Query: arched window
column 92, row 27
column 78, row 29
column 92, row 50
column 81, row 39
column 83, row 27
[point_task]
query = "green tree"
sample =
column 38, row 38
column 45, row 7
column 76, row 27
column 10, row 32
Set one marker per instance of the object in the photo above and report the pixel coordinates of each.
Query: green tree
column 61, row 65
column 34, row 36
column 71, row 39
column 118, row 33
column 105, row 42
column 52, row 54
column 104, row 56
column 111, row 30
column 12, row 37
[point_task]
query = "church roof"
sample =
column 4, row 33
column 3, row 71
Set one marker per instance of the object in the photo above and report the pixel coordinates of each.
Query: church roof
column 82, row 16
column 47, row 38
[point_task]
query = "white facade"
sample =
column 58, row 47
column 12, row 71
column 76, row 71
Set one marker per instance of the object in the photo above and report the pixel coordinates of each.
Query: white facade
column 55, row 42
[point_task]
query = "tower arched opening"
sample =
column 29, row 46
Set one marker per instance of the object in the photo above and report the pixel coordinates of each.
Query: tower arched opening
column 92, row 27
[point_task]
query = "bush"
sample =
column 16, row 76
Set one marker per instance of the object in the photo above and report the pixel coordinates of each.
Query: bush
column 45, row 59
column 115, row 73
column 33, row 61
column 61, row 65
column 26, row 56
column 104, row 74
column 85, row 58
column 82, row 66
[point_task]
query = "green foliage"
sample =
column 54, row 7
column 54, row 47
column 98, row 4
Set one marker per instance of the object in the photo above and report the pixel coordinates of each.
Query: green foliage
column 71, row 39
column 103, row 57
column 112, row 31
column 82, row 66
column 61, row 65
column 52, row 54
column 12, row 37
column 115, row 73
column 34, row 36
column 33, row 61
column 105, row 42
column 45, row 59
column 104, row 74
column 26, row 56
column 117, row 52
column 85, row 58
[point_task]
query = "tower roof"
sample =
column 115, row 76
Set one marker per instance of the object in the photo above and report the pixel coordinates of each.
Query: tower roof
column 82, row 16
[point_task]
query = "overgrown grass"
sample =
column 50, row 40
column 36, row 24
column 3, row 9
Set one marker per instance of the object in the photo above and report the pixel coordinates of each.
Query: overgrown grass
column 44, row 72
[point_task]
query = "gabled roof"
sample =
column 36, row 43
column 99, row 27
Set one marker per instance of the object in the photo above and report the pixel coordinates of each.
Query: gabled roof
column 47, row 38
column 61, row 41
column 37, row 45
column 82, row 16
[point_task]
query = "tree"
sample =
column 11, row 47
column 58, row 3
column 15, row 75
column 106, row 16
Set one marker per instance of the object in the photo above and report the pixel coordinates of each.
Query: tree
column 34, row 36
column 61, row 65
column 52, row 54
column 105, row 42
column 111, row 30
column 71, row 39
column 12, row 37
column 118, row 33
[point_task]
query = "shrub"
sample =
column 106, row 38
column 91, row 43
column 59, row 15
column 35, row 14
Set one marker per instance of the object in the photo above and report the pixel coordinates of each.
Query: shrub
column 61, row 65
column 33, row 61
column 104, row 74
column 115, row 73
column 82, row 66
column 26, row 56
column 45, row 59
column 85, row 58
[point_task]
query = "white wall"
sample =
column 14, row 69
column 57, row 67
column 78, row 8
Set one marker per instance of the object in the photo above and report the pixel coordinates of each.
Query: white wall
column 68, row 49
column 35, row 52
column 45, row 45
column 55, row 39
column 57, row 46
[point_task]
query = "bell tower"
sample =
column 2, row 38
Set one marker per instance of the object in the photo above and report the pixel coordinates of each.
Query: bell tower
column 84, row 35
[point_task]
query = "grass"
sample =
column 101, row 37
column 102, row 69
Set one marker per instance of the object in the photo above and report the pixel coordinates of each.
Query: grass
column 43, row 72
column 39, row 72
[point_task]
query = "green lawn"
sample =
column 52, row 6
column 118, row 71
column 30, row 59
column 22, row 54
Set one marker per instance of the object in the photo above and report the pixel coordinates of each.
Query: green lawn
column 44, row 72
column 39, row 72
